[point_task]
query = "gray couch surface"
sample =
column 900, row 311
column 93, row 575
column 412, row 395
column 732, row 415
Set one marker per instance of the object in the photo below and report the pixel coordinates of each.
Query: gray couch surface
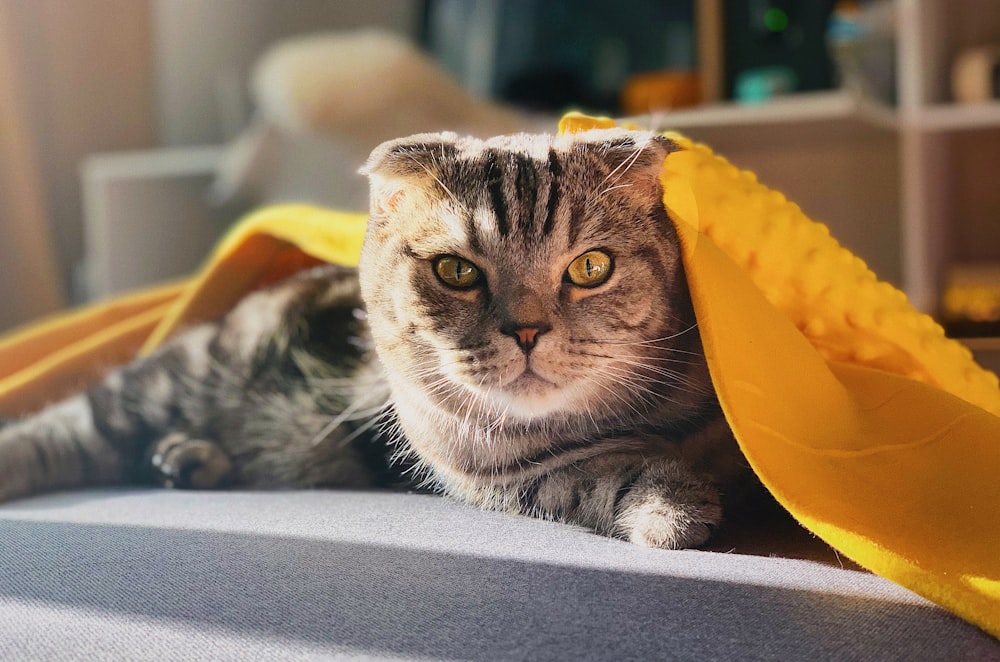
column 141, row 574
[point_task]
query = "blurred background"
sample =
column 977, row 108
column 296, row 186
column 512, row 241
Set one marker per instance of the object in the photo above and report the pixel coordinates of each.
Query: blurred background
column 134, row 132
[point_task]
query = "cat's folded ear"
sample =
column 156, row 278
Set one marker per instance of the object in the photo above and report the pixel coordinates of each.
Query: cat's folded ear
column 417, row 155
column 633, row 150
column 398, row 167
column 632, row 159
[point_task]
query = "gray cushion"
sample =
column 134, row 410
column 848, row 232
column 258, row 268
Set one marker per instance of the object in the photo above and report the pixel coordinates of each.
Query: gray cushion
column 148, row 574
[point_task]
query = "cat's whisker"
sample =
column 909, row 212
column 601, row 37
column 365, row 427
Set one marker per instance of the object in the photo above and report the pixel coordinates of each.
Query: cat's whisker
column 440, row 183
column 637, row 357
column 500, row 419
column 649, row 396
column 651, row 341
column 590, row 415
column 363, row 428
column 631, row 343
column 674, row 384
column 630, row 161
column 676, row 378
column 664, row 359
column 353, row 412
column 680, row 377
column 392, row 429
column 466, row 405
column 479, row 401
column 632, row 377
column 354, row 380
column 618, row 396
column 641, row 371
column 612, row 188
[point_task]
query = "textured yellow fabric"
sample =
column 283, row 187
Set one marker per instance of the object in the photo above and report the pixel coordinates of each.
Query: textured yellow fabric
column 267, row 246
column 874, row 430
column 871, row 428
column 53, row 358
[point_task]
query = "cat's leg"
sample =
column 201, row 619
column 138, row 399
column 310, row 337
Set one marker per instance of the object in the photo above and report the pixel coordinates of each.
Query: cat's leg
column 650, row 501
column 176, row 460
column 100, row 436
column 262, row 384
column 59, row 448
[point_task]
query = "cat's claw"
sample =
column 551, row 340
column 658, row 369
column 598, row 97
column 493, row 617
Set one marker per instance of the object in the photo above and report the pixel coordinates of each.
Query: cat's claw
column 180, row 462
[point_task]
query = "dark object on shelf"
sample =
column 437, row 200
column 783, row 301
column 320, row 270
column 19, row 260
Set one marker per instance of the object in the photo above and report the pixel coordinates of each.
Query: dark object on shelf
column 550, row 55
column 660, row 91
column 970, row 306
column 763, row 84
column 966, row 329
column 785, row 33
column 862, row 43
column 544, row 89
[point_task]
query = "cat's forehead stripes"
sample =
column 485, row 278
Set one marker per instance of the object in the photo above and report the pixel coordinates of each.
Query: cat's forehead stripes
column 553, row 198
column 523, row 174
column 522, row 187
column 495, row 185
column 515, row 183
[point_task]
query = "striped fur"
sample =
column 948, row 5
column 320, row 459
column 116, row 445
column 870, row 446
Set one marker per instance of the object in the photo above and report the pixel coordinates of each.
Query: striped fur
column 607, row 418
column 246, row 401
column 524, row 392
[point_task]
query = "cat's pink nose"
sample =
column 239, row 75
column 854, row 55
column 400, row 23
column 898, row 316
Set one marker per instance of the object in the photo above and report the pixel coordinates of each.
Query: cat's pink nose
column 525, row 335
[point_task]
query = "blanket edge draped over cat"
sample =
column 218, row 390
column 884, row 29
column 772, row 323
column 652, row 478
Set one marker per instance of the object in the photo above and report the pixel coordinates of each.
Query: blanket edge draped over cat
column 876, row 432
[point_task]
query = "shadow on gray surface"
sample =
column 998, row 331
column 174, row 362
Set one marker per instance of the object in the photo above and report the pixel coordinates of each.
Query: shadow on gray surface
column 391, row 601
column 766, row 530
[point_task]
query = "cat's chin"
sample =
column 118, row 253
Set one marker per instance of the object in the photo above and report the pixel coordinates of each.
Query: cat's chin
column 530, row 397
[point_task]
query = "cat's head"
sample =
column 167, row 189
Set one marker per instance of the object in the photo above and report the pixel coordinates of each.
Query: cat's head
column 529, row 276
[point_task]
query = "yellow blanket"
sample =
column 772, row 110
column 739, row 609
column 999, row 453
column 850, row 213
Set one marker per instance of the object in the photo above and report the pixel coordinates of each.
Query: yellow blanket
column 872, row 429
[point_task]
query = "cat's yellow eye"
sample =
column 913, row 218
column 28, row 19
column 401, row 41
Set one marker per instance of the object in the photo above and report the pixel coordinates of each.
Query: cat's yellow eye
column 456, row 272
column 590, row 269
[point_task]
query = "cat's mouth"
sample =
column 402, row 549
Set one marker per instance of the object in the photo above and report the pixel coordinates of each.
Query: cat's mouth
column 530, row 395
column 529, row 381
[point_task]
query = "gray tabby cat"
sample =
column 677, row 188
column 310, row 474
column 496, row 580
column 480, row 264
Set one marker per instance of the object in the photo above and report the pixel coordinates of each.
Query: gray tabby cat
column 529, row 346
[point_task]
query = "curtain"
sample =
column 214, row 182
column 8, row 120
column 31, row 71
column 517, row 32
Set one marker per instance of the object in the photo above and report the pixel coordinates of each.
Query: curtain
column 30, row 282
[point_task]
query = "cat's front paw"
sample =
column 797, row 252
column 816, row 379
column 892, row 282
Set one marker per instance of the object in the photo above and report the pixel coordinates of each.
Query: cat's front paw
column 668, row 508
column 177, row 461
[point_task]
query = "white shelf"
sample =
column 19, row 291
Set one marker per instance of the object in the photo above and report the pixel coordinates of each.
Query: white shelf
column 804, row 118
column 928, row 135
column 834, row 106
column 955, row 117
column 945, row 204
column 804, row 107
column 145, row 164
